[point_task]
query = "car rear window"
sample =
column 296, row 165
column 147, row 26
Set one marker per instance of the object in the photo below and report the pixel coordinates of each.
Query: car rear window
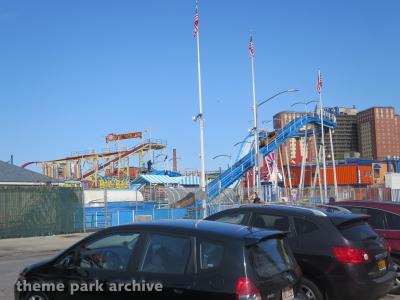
column 358, row 231
column 270, row 257
column 233, row 218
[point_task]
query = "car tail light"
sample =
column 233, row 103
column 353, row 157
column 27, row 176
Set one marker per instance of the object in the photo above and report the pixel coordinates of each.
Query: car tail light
column 246, row 289
column 349, row 255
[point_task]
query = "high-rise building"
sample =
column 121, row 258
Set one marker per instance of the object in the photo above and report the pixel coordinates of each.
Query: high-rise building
column 345, row 135
column 378, row 132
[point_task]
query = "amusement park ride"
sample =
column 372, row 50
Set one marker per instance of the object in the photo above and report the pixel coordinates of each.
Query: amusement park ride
column 91, row 168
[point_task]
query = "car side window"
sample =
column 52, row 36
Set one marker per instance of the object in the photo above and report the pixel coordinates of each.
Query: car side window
column 377, row 219
column 272, row 222
column 304, row 226
column 232, row 218
column 357, row 210
column 211, row 254
column 66, row 261
column 393, row 221
column 111, row 252
column 166, row 254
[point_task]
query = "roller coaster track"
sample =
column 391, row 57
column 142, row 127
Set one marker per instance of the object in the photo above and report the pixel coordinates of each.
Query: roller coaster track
column 135, row 150
column 246, row 162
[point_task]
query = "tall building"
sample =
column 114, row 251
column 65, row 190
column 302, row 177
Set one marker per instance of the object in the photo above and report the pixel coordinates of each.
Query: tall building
column 378, row 133
column 345, row 136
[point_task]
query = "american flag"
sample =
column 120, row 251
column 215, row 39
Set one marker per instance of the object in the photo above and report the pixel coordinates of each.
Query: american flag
column 196, row 20
column 319, row 82
column 251, row 47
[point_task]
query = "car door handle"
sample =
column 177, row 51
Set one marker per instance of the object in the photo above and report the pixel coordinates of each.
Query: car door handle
column 178, row 291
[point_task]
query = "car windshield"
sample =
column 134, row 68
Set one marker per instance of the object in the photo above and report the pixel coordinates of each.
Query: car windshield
column 270, row 257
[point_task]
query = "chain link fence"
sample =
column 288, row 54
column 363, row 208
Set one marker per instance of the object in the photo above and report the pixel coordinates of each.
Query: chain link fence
column 40, row 210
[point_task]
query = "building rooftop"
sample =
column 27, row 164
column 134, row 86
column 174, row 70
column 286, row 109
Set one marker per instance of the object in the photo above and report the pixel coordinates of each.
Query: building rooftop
column 10, row 174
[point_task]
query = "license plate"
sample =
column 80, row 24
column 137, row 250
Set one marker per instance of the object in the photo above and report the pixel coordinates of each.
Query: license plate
column 382, row 265
column 287, row 294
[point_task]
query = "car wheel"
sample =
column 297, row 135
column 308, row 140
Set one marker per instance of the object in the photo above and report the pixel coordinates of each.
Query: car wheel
column 310, row 290
column 396, row 288
column 36, row 296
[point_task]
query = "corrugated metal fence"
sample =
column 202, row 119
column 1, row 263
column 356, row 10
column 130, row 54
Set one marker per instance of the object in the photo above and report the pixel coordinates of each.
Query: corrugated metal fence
column 40, row 210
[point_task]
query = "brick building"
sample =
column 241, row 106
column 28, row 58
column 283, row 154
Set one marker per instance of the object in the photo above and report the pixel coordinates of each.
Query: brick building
column 378, row 133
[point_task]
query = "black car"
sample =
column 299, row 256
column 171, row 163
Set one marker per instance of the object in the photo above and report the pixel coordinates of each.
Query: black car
column 186, row 259
column 340, row 255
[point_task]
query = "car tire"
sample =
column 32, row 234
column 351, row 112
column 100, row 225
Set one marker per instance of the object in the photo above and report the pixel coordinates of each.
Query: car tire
column 310, row 290
column 36, row 296
column 396, row 288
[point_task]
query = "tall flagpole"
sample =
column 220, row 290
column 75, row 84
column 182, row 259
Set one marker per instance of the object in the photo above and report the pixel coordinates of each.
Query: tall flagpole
column 321, row 107
column 200, row 115
column 255, row 121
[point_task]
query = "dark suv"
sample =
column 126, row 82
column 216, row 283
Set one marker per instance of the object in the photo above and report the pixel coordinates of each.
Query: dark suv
column 187, row 259
column 340, row 255
column 385, row 219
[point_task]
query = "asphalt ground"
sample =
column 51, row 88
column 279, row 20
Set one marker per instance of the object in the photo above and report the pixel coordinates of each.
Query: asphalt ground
column 15, row 254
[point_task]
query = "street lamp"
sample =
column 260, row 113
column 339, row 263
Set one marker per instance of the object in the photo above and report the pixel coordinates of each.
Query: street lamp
column 305, row 104
column 224, row 155
column 255, row 127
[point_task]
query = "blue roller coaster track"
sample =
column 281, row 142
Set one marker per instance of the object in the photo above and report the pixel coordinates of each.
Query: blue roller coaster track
column 245, row 162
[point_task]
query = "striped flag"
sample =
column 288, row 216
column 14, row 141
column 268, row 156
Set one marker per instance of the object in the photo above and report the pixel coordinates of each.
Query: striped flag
column 270, row 159
column 251, row 47
column 319, row 82
column 196, row 20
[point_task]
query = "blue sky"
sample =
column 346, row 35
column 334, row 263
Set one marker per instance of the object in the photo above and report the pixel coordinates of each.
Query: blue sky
column 73, row 71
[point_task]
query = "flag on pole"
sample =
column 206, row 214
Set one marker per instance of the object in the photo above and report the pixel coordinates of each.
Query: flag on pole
column 319, row 82
column 251, row 47
column 196, row 20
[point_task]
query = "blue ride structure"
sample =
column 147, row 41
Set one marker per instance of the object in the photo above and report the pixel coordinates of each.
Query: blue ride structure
column 246, row 157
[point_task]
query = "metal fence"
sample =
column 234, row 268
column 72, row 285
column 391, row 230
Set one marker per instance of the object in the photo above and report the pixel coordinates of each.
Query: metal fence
column 184, row 203
column 40, row 210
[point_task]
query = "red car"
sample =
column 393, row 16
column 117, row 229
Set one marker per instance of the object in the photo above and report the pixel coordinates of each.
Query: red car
column 385, row 219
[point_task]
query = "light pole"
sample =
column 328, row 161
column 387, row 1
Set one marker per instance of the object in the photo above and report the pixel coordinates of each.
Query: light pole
column 305, row 104
column 255, row 129
column 151, row 153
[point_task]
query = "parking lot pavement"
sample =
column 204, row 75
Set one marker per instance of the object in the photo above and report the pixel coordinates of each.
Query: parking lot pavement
column 17, row 253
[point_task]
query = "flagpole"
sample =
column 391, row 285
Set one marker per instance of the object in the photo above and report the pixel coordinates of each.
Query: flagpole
column 255, row 124
column 201, row 122
column 321, row 105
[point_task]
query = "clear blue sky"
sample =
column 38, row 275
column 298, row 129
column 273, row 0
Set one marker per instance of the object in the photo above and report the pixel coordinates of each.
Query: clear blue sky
column 73, row 71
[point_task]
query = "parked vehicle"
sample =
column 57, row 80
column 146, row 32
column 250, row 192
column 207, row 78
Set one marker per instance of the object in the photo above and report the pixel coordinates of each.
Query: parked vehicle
column 192, row 260
column 340, row 255
column 385, row 219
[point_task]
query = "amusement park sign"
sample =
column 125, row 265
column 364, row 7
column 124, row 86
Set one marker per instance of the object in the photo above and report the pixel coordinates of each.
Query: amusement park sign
column 123, row 136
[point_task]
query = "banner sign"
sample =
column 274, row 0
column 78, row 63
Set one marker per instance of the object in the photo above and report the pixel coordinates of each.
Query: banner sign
column 116, row 137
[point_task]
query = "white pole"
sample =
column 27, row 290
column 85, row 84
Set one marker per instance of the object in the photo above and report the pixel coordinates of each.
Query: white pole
column 303, row 165
column 288, row 166
column 333, row 164
column 282, row 168
column 255, row 128
column 321, row 107
column 201, row 122
column 317, row 164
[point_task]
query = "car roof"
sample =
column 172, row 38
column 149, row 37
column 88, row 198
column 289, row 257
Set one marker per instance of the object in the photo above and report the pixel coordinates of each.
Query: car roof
column 287, row 208
column 335, row 217
column 385, row 205
column 207, row 227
